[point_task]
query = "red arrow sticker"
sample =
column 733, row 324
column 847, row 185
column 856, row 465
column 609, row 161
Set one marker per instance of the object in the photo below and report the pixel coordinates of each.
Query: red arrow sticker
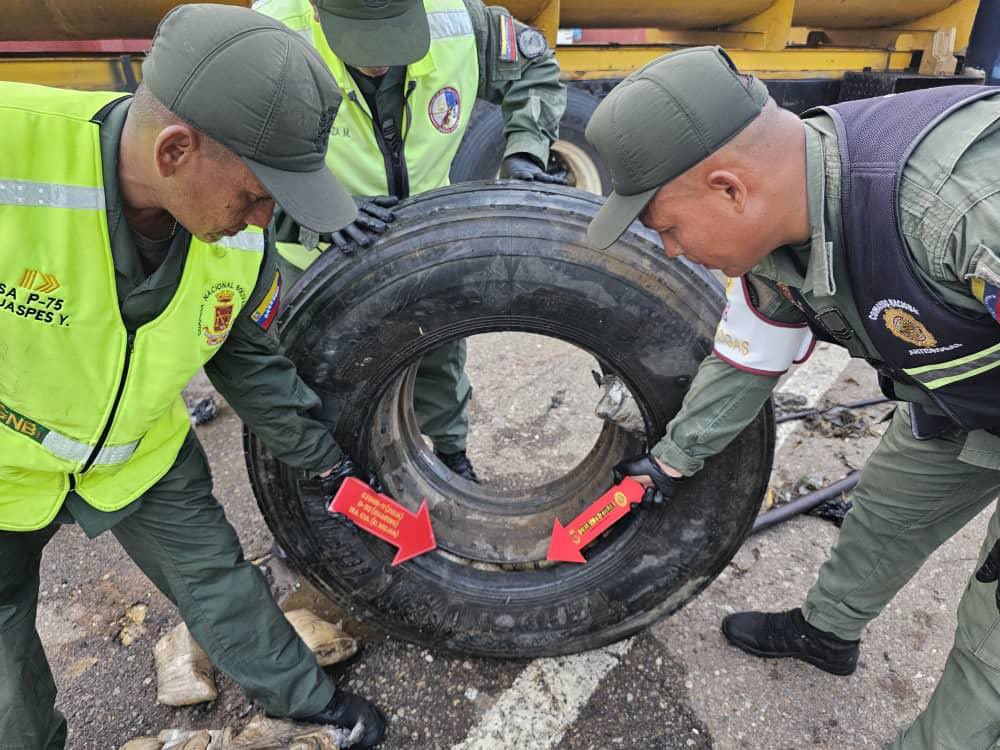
column 385, row 518
column 603, row 513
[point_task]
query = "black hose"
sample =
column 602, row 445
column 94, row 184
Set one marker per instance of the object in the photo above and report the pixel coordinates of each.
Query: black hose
column 806, row 502
column 816, row 412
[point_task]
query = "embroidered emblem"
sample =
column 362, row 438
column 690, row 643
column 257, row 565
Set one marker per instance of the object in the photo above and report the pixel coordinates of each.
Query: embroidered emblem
column 267, row 310
column 445, row 110
column 325, row 123
column 219, row 306
column 508, row 39
column 531, row 43
column 903, row 325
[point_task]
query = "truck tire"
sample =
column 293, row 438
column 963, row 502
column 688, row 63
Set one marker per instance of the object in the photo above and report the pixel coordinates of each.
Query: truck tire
column 572, row 155
column 480, row 258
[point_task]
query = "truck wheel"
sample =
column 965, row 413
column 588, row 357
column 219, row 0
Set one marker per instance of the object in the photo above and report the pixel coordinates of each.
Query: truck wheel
column 572, row 155
column 475, row 259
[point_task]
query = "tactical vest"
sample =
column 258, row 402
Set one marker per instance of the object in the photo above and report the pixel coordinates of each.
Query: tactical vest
column 953, row 356
column 86, row 404
column 440, row 91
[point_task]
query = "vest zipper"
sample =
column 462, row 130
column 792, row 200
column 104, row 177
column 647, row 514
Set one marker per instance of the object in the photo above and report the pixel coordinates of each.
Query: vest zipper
column 400, row 148
column 393, row 158
column 114, row 408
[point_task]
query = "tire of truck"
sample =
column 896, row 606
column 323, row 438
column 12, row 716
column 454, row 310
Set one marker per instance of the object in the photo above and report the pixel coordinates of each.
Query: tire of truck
column 479, row 156
column 480, row 258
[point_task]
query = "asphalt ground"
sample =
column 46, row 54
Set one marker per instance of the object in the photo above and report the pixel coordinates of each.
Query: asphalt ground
column 676, row 685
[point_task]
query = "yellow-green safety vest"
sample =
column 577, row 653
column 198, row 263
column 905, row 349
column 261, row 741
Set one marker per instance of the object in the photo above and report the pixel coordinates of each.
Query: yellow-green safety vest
column 84, row 403
column 440, row 92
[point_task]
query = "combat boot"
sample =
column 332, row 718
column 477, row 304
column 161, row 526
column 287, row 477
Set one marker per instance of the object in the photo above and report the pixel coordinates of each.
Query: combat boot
column 459, row 463
column 347, row 710
column 774, row 635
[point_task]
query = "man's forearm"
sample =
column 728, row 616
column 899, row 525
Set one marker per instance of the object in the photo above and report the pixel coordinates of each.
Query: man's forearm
column 264, row 388
column 721, row 403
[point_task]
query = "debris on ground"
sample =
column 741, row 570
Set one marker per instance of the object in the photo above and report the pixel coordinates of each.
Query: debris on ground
column 205, row 410
column 260, row 734
column 833, row 510
column 839, row 422
column 328, row 641
column 617, row 404
column 130, row 625
column 272, row 734
column 203, row 739
column 786, row 403
column 143, row 743
column 183, row 670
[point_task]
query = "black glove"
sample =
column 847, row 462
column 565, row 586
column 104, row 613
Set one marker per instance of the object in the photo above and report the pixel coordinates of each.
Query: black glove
column 525, row 167
column 331, row 483
column 990, row 570
column 345, row 709
column 373, row 219
column 662, row 488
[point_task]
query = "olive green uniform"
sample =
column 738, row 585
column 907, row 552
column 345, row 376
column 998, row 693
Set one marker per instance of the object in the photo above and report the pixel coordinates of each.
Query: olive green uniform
column 532, row 101
column 913, row 495
column 177, row 532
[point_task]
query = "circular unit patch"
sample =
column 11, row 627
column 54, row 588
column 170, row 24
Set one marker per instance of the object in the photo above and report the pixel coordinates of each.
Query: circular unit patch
column 904, row 326
column 531, row 42
column 445, row 110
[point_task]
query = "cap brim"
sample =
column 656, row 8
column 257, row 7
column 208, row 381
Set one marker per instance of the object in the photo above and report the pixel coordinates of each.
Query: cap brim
column 376, row 43
column 615, row 217
column 315, row 200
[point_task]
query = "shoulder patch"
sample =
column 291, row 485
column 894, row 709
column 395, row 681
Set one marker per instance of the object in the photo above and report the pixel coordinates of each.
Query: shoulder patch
column 508, row 39
column 268, row 308
column 987, row 293
column 532, row 43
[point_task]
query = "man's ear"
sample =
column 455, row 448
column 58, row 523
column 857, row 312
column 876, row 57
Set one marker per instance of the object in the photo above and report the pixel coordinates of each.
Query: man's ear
column 174, row 148
column 729, row 185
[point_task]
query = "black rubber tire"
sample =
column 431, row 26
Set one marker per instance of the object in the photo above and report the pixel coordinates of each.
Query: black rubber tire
column 487, row 257
column 482, row 148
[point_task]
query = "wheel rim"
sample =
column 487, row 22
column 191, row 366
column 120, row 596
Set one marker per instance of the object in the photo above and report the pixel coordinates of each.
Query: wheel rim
column 474, row 522
column 583, row 171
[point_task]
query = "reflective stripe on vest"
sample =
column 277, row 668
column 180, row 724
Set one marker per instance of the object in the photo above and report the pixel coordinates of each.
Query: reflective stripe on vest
column 108, row 400
column 24, row 193
column 954, row 370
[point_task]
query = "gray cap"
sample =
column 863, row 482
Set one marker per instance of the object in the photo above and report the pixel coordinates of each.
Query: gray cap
column 375, row 33
column 262, row 92
column 662, row 120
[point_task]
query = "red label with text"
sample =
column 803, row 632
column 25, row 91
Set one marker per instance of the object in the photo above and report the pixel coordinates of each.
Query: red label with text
column 601, row 515
column 385, row 518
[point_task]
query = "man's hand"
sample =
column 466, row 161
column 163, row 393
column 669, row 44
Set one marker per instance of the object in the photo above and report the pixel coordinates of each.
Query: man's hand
column 373, row 219
column 989, row 572
column 525, row 167
column 651, row 474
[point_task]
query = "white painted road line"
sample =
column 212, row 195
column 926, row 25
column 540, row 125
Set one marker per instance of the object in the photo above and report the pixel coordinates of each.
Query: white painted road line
column 546, row 698
column 811, row 380
column 544, row 701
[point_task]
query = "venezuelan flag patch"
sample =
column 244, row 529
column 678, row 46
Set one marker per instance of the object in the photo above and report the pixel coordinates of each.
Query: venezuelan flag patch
column 987, row 294
column 267, row 310
column 508, row 39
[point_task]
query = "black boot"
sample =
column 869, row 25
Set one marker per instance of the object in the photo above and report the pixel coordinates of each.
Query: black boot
column 345, row 709
column 779, row 634
column 459, row 463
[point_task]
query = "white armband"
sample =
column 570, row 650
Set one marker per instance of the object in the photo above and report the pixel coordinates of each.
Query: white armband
column 750, row 342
